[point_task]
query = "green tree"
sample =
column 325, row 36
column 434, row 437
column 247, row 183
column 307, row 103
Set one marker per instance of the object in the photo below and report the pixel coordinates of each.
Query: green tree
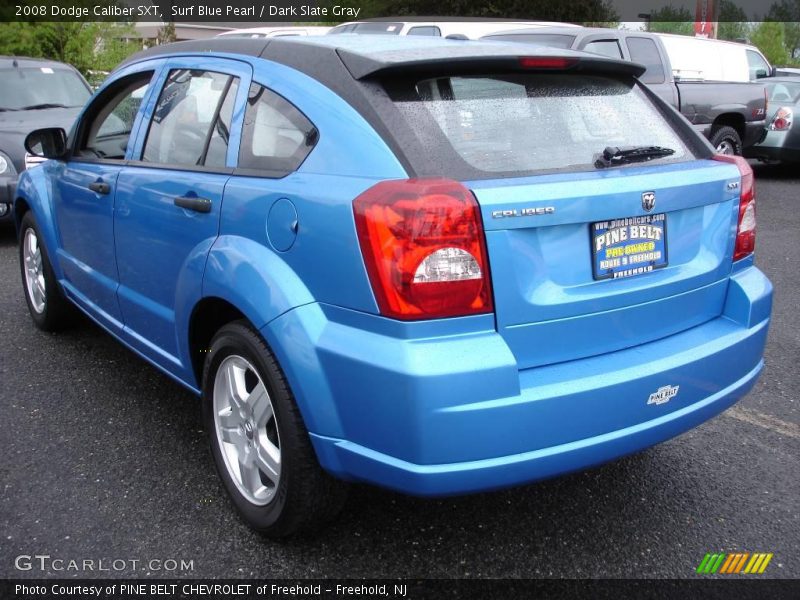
column 672, row 20
column 788, row 13
column 732, row 23
column 88, row 46
column 574, row 11
column 769, row 38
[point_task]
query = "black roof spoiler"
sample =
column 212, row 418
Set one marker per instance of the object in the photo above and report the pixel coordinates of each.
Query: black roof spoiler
column 474, row 58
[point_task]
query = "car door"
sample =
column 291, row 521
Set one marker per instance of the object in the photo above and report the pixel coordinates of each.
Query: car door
column 83, row 196
column 645, row 51
column 169, row 197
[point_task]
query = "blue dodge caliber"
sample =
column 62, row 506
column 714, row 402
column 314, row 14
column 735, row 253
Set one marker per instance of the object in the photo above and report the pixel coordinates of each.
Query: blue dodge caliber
column 432, row 265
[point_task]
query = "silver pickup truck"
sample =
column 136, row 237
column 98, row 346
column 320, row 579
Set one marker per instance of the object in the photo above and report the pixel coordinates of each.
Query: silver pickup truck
column 713, row 84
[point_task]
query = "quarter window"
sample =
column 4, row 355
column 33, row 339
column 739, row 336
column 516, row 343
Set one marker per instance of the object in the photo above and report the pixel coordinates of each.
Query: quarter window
column 276, row 136
column 189, row 118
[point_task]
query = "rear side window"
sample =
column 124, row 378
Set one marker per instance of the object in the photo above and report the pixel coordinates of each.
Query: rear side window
column 527, row 123
column 276, row 135
column 645, row 52
column 187, row 118
column 430, row 30
column 608, row 48
column 543, row 39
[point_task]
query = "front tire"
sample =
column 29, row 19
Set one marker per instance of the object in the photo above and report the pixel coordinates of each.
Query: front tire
column 726, row 140
column 259, row 442
column 49, row 309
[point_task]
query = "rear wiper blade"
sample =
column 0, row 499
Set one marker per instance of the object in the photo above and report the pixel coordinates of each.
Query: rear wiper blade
column 44, row 105
column 5, row 109
column 613, row 155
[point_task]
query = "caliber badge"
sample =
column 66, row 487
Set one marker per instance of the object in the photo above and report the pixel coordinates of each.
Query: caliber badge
column 648, row 201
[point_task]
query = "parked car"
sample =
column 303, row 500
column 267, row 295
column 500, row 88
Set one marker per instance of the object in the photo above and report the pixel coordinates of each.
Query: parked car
column 787, row 72
column 782, row 142
column 34, row 93
column 266, row 32
column 729, row 112
column 466, row 28
column 432, row 266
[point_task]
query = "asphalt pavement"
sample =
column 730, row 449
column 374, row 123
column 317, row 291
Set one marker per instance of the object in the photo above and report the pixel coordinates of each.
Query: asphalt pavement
column 104, row 459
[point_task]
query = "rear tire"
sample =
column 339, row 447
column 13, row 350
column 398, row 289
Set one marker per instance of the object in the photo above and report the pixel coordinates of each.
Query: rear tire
column 726, row 140
column 49, row 308
column 260, row 445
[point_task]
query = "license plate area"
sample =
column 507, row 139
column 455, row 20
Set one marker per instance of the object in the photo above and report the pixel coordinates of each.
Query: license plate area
column 629, row 246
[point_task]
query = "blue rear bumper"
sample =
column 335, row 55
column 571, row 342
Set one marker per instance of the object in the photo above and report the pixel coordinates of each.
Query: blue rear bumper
column 452, row 414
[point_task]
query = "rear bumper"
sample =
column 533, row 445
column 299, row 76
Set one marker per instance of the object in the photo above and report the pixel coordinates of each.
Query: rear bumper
column 783, row 146
column 453, row 415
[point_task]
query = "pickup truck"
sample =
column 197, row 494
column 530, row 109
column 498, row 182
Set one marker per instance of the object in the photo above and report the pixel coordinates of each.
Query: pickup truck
column 731, row 114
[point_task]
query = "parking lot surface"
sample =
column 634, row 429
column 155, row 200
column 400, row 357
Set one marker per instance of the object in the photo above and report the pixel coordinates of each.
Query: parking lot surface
column 105, row 459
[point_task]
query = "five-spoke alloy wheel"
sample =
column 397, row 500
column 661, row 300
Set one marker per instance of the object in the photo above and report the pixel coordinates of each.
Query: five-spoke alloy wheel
column 259, row 441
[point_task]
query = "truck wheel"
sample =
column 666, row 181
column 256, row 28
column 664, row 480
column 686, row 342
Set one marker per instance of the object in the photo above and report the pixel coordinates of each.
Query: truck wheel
column 49, row 309
column 258, row 439
column 726, row 140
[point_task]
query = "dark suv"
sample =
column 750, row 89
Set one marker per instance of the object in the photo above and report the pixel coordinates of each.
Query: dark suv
column 35, row 93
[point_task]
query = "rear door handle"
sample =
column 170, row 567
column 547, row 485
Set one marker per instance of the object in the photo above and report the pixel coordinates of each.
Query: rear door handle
column 100, row 187
column 202, row 205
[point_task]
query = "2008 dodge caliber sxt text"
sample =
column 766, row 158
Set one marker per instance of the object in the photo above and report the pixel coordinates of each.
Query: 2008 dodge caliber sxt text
column 432, row 265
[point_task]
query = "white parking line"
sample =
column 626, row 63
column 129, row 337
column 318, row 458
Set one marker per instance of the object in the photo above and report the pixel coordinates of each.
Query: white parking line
column 766, row 421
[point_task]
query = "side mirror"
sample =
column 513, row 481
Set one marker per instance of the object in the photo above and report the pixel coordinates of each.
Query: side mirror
column 773, row 71
column 47, row 143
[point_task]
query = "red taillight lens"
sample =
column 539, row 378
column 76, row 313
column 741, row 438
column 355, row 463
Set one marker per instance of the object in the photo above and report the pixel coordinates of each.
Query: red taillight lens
column 545, row 62
column 782, row 119
column 424, row 249
column 746, row 227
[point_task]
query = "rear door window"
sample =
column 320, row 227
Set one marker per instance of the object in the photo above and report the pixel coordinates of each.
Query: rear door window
column 527, row 123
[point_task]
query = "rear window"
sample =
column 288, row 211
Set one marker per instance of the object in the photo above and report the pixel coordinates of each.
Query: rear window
column 377, row 28
column 528, row 123
column 543, row 39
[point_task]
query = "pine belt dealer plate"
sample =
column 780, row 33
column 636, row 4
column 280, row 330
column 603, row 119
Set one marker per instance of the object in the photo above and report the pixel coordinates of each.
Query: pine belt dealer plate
column 629, row 246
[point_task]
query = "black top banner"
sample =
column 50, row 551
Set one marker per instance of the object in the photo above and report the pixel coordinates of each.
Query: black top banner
column 256, row 12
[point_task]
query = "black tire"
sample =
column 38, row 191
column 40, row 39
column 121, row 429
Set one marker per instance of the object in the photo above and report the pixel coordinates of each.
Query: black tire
column 56, row 312
column 726, row 138
column 306, row 496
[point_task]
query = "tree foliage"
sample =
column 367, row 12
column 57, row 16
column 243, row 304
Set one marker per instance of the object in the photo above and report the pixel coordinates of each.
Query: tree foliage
column 88, row 46
column 574, row 11
column 769, row 38
column 788, row 13
column 733, row 22
column 672, row 20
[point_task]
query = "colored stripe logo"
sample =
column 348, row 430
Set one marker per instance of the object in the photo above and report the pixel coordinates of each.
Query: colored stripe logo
column 743, row 563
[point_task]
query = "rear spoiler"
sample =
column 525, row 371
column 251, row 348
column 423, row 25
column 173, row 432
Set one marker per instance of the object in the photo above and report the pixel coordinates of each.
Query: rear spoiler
column 483, row 58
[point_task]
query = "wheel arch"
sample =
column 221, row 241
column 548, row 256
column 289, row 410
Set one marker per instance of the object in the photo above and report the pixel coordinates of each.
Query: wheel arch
column 734, row 120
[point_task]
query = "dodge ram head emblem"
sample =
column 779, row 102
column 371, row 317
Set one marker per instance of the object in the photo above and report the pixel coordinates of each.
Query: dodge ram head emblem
column 648, row 201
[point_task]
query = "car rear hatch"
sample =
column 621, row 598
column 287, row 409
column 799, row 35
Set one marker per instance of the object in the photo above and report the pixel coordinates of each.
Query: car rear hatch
column 606, row 224
column 554, row 300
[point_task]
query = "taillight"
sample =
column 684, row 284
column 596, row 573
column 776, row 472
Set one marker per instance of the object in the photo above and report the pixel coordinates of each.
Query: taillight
column 424, row 249
column 746, row 227
column 782, row 119
column 546, row 62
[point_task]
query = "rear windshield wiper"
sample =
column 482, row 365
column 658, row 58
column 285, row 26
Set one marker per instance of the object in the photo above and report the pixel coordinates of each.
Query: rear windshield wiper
column 44, row 105
column 613, row 155
column 4, row 109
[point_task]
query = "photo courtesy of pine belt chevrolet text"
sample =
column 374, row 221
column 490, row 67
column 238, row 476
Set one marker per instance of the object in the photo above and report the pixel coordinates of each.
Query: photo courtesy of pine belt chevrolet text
column 436, row 266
